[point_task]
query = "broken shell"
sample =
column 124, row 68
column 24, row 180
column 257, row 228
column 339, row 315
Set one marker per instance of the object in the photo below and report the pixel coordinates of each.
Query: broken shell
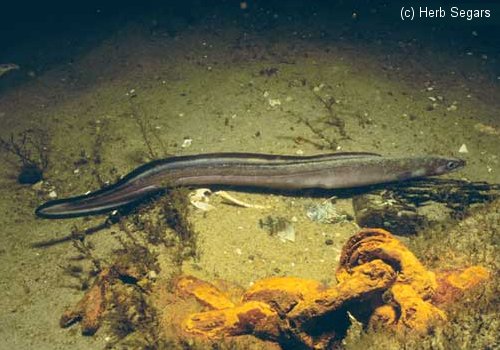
column 287, row 234
column 279, row 226
column 232, row 200
column 326, row 213
column 200, row 197
column 186, row 143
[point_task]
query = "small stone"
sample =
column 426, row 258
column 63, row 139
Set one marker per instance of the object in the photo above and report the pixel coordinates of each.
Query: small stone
column 37, row 186
column 329, row 241
column 463, row 149
column 52, row 194
column 274, row 102
column 30, row 174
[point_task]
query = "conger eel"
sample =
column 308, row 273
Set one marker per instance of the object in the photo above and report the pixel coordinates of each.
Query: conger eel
column 328, row 171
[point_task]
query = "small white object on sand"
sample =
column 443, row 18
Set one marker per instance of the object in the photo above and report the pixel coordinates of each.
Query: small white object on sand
column 186, row 143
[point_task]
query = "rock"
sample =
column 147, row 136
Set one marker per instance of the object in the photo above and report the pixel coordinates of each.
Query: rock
column 38, row 186
column 30, row 174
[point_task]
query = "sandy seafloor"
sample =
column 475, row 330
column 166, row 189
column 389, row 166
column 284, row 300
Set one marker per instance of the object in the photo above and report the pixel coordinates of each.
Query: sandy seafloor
column 202, row 81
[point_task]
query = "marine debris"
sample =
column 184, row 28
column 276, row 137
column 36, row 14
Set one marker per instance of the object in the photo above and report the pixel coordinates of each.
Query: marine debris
column 380, row 283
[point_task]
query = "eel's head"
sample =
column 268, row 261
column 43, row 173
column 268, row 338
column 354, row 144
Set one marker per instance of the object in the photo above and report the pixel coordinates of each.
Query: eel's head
column 443, row 165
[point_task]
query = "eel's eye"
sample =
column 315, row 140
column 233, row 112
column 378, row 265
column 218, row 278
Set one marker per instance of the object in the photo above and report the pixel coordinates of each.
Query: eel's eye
column 451, row 165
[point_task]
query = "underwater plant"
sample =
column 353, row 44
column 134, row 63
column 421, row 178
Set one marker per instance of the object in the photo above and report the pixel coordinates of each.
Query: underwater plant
column 30, row 147
column 148, row 133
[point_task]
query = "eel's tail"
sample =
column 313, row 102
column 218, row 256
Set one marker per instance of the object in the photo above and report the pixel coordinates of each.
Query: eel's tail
column 101, row 201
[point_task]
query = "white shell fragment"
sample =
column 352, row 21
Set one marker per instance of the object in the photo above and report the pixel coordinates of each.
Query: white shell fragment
column 232, row 200
column 326, row 213
column 463, row 149
column 199, row 199
column 186, row 143
column 279, row 227
column 287, row 234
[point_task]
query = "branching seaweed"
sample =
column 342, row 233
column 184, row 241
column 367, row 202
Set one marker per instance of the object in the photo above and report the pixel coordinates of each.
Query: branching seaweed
column 398, row 207
column 331, row 143
column 127, row 280
column 30, row 147
column 132, row 315
column 148, row 133
column 175, row 212
column 457, row 195
column 135, row 253
column 331, row 119
column 100, row 128
column 85, row 248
